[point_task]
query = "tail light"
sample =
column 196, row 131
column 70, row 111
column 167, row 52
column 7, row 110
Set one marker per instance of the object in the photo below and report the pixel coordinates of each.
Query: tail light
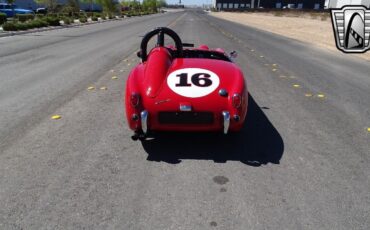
column 135, row 99
column 236, row 100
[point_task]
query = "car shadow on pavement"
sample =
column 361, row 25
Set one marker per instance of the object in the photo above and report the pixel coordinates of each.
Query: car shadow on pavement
column 258, row 143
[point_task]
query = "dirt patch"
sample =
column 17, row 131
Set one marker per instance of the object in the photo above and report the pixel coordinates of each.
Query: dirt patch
column 313, row 28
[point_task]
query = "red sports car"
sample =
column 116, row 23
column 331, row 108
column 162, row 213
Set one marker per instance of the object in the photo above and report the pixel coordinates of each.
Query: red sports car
column 178, row 89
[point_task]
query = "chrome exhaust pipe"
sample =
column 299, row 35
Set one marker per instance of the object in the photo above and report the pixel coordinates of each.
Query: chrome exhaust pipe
column 226, row 117
column 144, row 121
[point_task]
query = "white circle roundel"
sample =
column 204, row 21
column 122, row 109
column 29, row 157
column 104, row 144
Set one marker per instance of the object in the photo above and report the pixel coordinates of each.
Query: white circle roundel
column 193, row 82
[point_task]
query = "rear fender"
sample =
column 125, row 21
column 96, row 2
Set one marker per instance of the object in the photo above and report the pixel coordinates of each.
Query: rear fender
column 133, row 86
column 239, row 87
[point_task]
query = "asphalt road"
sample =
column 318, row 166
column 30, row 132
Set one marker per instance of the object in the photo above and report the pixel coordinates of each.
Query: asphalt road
column 301, row 161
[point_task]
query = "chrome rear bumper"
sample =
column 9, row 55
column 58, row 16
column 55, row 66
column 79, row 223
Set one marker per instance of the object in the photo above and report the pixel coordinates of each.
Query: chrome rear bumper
column 226, row 118
column 144, row 121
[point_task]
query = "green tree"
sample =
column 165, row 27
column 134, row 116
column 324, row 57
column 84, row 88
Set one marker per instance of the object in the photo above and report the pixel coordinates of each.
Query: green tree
column 71, row 8
column 74, row 5
column 109, row 6
column 133, row 4
column 161, row 3
column 153, row 5
column 150, row 5
column 50, row 4
column 146, row 5
column 90, row 2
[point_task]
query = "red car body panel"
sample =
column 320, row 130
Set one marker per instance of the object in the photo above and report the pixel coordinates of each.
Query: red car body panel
column 150, row 80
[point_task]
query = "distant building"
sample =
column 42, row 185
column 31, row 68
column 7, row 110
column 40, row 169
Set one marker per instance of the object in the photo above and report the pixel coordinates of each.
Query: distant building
column 330, row 4
column 279, row 4
column 30, row 4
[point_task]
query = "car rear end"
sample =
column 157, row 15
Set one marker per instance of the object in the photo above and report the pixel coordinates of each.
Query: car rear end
column 195, row 95
column 212, row 113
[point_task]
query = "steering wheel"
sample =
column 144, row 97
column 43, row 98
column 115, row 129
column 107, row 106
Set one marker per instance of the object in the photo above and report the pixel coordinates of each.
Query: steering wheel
column 160, row 32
